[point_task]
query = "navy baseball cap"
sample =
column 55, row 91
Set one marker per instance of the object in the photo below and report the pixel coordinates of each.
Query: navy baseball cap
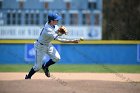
column 54, row 16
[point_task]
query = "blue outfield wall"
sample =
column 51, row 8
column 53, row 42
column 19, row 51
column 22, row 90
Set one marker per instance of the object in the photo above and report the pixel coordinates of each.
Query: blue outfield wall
column 75, row 54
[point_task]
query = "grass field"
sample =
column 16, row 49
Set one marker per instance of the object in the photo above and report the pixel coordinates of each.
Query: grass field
column 76, row 68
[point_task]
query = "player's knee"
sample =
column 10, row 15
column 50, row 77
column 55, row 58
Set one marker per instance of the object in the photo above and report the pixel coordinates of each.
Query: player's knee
column 56, row 59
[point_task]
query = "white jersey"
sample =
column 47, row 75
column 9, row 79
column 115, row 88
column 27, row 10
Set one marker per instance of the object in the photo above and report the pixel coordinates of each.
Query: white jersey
column 48, row 34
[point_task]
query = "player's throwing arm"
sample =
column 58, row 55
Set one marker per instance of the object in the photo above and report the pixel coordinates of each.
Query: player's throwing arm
column 61, row 31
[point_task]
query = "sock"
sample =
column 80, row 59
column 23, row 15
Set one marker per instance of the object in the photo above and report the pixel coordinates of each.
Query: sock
column 32, row 71
column 50, row 62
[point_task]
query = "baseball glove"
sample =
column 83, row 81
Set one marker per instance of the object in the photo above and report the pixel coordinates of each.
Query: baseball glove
column 62, row 30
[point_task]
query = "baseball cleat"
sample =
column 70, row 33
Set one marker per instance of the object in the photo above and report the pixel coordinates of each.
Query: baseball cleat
column 26, row 77
column 46, row 71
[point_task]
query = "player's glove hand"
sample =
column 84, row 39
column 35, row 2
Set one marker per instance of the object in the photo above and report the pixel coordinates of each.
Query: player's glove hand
column 62, row 30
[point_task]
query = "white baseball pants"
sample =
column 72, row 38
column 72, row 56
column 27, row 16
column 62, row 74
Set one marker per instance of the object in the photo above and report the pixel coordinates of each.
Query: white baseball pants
column 41, row 51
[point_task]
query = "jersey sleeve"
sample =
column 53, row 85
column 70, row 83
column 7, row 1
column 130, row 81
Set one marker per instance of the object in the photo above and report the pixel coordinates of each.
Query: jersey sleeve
column 63, row 39
column 51, row 34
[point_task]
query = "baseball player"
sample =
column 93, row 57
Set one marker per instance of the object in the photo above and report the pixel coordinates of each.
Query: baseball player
column 43, row 45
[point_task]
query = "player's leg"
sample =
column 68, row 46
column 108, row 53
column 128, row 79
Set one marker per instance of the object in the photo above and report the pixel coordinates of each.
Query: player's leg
column 55, row 57
column 45, row 67
column 39, row 54
column 37, row 65
column 32, row 71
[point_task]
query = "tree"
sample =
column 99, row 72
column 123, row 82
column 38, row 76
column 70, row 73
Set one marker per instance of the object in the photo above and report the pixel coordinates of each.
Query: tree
column 121, row 18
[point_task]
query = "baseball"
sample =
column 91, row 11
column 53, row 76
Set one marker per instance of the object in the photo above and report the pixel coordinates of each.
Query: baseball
column 81, row 39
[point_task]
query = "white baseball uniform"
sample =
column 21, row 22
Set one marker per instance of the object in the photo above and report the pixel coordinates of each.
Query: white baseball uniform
column 43, row 45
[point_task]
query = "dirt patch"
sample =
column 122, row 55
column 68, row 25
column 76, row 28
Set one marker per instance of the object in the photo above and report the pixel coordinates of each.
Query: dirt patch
column 70, row 83
column 121, row 77
column 70, row 86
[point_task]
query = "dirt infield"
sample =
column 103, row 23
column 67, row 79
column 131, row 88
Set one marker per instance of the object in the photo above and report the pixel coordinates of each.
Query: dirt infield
column 70, row 83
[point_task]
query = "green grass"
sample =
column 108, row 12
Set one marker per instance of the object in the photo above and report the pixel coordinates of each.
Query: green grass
column 15, row 68
column 76, row 68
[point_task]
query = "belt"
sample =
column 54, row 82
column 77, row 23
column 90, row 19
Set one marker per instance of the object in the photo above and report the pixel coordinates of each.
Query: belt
column 39, row 42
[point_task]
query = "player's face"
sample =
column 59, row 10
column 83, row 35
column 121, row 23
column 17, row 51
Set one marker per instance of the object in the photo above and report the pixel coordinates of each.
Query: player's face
column 55, row 22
